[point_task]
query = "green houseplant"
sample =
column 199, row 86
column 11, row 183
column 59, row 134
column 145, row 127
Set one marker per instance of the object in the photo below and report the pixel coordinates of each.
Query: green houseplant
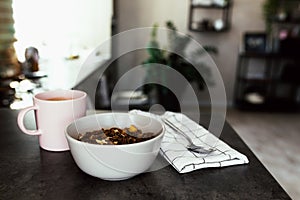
column 270, row 9
column 277, row 10
column 173, row 59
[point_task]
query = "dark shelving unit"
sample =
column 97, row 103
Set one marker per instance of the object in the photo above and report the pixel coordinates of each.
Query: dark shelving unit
column 205, row 24
column 266, row 87
column 277, row 86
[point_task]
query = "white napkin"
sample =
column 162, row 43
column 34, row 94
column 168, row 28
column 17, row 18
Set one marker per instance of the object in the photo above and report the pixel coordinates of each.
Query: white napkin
column 173, row 147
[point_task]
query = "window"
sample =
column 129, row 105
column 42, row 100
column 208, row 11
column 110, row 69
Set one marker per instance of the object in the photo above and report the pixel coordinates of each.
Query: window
column 60, row 28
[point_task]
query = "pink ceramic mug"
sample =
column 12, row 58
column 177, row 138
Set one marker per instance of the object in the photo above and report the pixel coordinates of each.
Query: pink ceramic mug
column 54, row 110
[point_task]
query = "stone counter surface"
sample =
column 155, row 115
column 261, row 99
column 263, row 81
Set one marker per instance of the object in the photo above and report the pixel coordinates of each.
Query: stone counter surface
column 28, row 172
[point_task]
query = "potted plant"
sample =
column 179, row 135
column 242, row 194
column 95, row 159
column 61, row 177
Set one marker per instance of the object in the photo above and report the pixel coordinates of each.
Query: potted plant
column 270, row 9
column 277, row 11
column 173, row 59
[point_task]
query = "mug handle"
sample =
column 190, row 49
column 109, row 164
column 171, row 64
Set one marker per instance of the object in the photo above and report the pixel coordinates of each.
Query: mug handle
column 21, row 125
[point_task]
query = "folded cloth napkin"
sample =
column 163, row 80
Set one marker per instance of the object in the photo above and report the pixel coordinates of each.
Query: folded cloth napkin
column 173, row 147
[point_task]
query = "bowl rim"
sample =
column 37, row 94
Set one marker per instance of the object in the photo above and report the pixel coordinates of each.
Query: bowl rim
column 160, row 132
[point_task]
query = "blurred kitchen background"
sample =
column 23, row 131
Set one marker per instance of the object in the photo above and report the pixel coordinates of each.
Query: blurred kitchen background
column 254, row 45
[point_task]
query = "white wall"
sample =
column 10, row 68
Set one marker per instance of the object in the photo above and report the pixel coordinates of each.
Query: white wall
column 246, row 16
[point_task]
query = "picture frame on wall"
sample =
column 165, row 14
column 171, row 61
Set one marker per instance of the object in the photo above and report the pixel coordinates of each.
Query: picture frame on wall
column 255, row 42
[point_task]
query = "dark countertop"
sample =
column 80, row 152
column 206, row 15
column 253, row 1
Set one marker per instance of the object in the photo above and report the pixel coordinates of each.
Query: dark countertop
column 28, row 172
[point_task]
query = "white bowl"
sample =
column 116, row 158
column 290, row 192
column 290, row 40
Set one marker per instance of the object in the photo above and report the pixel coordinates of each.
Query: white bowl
column 114, row 162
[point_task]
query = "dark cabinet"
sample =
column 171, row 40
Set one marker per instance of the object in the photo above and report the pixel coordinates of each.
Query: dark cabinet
column 267, row 81
column 214, row 16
